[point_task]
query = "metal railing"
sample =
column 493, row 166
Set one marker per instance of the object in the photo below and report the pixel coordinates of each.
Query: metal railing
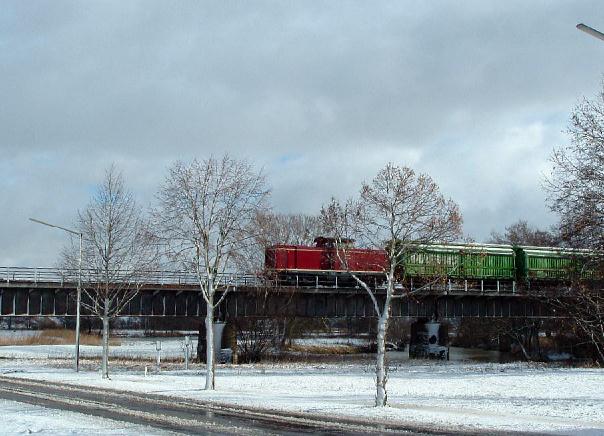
column 161, row 277
column 64, row 277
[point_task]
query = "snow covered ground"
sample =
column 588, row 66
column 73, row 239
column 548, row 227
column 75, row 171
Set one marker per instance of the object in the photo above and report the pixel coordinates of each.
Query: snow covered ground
column 518, row 397
column 132, row 348
column 21, row 418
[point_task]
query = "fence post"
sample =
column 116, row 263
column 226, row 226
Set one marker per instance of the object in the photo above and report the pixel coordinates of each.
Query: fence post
column 158, row 349
column 187, row 345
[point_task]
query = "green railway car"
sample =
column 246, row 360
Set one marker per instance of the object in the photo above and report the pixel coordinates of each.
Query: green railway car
column 550, row 264
column 462, row 261
column 499, row 262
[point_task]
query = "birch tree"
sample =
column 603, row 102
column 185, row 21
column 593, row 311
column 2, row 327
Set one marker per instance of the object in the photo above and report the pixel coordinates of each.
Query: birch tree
column 396, row 212
column 118, row 252
column 205, row 212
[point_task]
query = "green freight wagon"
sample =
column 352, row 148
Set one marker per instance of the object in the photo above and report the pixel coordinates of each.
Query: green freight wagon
column 462, row 261
column 545, row 263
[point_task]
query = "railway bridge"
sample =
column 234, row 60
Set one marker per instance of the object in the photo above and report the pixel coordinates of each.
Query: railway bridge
column 47, row 292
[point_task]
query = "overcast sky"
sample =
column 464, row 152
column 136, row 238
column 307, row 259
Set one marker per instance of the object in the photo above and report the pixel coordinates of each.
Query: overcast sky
column 319, row 94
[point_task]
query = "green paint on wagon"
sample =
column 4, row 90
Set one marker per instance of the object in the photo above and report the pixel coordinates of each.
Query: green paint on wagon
column 462, row 261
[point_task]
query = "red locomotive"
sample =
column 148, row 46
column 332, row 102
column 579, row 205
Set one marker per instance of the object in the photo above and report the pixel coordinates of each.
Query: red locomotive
column 322, row 259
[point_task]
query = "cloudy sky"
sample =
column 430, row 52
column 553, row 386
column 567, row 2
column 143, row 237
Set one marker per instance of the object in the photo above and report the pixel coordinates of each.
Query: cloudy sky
column 319, row 94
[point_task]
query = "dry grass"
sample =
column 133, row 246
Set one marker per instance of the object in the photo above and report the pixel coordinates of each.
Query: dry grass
column 54, row 337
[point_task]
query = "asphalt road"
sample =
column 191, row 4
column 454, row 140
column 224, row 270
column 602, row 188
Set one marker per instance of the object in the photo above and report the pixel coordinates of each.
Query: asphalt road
column 177, row 416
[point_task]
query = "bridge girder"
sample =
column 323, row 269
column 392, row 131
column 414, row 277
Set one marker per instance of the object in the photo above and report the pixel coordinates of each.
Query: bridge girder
column 43, row 301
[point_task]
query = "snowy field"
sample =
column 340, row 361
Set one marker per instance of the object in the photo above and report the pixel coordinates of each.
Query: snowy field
column 21, row 418
column 132, row 348
column 460, row 396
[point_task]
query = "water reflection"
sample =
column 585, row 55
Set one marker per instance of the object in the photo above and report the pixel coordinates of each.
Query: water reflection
column 459, row 354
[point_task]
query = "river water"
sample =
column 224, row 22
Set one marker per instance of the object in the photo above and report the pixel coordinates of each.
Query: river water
column 458, row 354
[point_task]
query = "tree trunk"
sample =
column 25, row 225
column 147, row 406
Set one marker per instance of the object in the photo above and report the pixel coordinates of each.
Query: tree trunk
column 519, row 340
column 599, row 352
column 210, row 346
column 105, row 357
column 381, row 376
column 381, row 397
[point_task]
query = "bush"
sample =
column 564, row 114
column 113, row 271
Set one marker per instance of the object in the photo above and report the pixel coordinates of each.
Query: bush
column 257, row 338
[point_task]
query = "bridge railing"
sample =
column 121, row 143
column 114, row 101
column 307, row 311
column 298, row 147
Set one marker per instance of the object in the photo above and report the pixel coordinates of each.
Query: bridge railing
column 63, row 277
column 26, row 274
column 160, row 277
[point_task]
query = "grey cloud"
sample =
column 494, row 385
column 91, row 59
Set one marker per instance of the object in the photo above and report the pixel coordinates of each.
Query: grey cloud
column 321, row 94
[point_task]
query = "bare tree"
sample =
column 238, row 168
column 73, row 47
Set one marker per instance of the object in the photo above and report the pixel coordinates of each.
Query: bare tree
column 524, row 333
column 118, row 253
column 576, row 185
column 254, row 337
column 295, row 229
column 205, row 216
column 584, row 305
column 576, row 193
column 521, row 233
column 275, row 228
column 397, row 212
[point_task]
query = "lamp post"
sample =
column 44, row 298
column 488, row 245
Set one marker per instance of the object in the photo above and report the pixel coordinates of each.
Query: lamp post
column 79, row 289
column 590, row 31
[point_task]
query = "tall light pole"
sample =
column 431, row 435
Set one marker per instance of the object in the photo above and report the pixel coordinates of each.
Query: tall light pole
column 590, row 31
column 79, row 290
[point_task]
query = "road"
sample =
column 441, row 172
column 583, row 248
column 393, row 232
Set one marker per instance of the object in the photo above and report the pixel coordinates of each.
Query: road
column 181, row 416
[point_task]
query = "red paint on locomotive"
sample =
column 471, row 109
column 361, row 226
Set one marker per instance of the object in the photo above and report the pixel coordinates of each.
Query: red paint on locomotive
column 323, row 258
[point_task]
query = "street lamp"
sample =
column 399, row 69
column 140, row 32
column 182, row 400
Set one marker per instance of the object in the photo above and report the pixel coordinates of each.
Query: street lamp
column 79, row 291
column 590, row 31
